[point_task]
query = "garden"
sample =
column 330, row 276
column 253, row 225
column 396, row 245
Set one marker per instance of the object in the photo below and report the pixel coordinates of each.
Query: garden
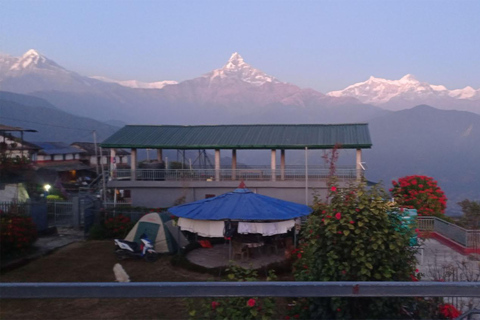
column 355, row 234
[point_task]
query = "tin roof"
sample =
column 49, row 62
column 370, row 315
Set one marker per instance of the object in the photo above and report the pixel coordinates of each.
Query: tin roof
column 89, row 148
column 267, row 136
column 50, row 148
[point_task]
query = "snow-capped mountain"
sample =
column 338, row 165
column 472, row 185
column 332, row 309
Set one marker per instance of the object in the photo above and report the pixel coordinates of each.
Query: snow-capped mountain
column 408, row 92
column 34, row 72
column 32, row 60
column 6, row 62
column 137, row 84
column 237, row 68
column 236, row 92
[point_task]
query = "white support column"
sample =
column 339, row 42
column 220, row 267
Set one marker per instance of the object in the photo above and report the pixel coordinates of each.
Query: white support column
column 273, row 164
column 234, row 164
column 133, row 164
column 159, row 155
column 358, row 164
column 282, row 164
column 217, row 164
column 113, row 163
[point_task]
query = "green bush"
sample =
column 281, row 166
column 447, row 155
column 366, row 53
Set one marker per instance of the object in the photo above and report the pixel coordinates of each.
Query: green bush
column 356, row 236
column 97, row 232
column 17, row 233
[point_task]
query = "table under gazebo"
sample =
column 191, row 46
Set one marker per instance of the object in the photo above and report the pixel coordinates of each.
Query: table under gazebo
column 246, row 220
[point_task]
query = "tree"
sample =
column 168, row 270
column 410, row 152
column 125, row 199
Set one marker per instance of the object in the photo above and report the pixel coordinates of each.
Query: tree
column 471, row 214
column 421, row 193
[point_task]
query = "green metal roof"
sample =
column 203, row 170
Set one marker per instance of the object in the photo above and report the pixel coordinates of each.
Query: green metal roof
column 267, row 136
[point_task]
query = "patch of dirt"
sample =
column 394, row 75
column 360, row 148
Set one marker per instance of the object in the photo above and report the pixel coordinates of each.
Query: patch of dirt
column 93, row 261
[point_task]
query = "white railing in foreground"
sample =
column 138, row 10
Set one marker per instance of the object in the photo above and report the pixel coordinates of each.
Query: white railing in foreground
column 465, row 237
column 255, row 174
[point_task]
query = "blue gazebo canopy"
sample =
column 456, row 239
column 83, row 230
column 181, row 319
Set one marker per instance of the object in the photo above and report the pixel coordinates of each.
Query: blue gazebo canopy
column 241, row 204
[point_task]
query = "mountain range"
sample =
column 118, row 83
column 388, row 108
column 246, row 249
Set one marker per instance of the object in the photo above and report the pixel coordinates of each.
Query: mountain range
column 408, row 91
column 440, row 140
column 234, row 93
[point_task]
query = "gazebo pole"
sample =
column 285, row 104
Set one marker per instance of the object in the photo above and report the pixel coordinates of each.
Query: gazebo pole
column 230, row 250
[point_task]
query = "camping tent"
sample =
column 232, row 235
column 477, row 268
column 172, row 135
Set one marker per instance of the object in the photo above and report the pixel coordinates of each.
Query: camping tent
column 271, row 215
column 159, row 229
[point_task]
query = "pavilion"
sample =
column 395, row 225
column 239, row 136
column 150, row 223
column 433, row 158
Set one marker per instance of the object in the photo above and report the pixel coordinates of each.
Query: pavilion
column 194, row 183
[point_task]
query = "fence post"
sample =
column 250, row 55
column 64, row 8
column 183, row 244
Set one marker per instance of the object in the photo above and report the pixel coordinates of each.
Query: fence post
column 76, row 212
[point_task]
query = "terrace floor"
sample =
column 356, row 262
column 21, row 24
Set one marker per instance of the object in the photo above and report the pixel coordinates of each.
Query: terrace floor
column 442, row 262
column 218, row 256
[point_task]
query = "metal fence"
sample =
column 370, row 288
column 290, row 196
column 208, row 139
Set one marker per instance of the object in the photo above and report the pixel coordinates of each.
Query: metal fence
column 22, row 208
column 465, row 237
column 238, row 289
column 60, row 213
column 251, row 174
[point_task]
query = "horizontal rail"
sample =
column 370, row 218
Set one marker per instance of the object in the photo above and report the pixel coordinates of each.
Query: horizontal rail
column 465, row 237
column 237, row 289
column 230, row 174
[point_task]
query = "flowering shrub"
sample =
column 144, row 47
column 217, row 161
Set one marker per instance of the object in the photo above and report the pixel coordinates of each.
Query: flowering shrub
column 17, row 233
column 234, row 308
column 118, row 226
column 421, row 193
column 449, row 311
column 358, row 236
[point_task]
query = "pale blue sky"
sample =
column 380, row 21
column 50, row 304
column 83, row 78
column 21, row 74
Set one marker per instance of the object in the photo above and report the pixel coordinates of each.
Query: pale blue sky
column 325, row 45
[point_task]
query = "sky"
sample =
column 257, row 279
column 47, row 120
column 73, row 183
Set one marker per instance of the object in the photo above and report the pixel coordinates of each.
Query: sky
column 324, row 45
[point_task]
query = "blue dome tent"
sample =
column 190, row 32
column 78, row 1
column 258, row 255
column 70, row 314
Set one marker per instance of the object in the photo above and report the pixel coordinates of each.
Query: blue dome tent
column 254, row 213
column 241, row 205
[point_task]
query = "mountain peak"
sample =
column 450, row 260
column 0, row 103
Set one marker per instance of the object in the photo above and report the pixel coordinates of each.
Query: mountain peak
column 32, row 59
column 31, row 52
column 29, row 59
column 235, row 61
column 408, row 78
column 237, row 68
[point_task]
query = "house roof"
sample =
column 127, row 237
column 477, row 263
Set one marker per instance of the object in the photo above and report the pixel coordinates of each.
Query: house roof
column 273, row 136
column 4, row 127
column 61, row 166
column 89, row 148
column 50, row 148
column 24, row 145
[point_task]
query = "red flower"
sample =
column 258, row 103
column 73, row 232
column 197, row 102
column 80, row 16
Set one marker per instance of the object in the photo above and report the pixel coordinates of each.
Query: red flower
column 338, row 216
column 333, row 188
column 251, row 302
column 352, row 222
column 299, row 255
column 449, row 311
column 287, row 317
column 296, row 316
column 215, row 304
